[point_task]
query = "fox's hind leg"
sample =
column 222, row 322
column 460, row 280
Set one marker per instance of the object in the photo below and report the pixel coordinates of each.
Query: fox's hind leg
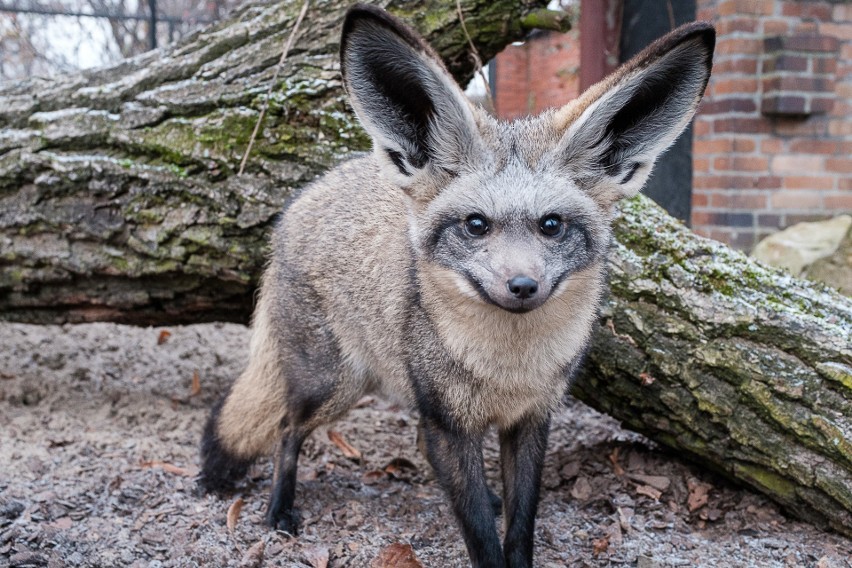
column 246, row 423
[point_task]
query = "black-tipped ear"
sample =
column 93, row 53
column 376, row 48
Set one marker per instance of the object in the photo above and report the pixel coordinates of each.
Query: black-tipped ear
column 639, row 112
column 403, row 94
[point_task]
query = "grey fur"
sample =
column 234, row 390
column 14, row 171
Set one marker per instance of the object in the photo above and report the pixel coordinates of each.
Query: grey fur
column 377, row 284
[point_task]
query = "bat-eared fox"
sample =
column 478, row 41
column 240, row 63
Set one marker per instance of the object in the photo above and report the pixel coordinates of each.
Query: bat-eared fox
column 458, row 268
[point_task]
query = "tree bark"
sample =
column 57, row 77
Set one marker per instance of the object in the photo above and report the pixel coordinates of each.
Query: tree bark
column 118, row 194
column 119, row 200
column 736, row 365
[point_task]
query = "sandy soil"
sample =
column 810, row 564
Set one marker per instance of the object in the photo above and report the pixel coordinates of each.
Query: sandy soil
column 99, row 427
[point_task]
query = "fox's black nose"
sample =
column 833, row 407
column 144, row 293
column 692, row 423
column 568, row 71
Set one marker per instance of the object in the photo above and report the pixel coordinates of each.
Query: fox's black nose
column 522, row 287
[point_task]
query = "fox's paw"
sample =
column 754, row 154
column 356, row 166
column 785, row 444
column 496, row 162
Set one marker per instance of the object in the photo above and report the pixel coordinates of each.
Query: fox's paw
column 286, row 521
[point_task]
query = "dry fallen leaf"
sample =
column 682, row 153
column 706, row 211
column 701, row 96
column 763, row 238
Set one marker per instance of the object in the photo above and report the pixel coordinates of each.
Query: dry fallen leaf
column 372, row 477
column 195, row 389
column 699, row 493
column 613, row 457
column 234, row 514
column 570, row 470
column 62, row 523
column 649, row 491
column 317, row 557
column 168, row 468
column 396, row 555
column 659, row 482
column 582, row 489
column 600, row 545
column 253, row 558
column 348, row 450
column 164, row 336
column 400, row 468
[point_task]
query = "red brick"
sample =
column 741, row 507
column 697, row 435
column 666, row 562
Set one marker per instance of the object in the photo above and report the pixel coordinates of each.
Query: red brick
column 815, row 10
column 842, row 165
column 776, row 27
column 771, row 146
column 741, row 125
column 792, row 219
column 784, row 104
column 842, row 127
column 756, row 7
column 736, row 200
column 795, row 200
column 821, row 105
column 840, row 31
column 738, row 85
column 769, row 220
column 702, row 127
column 719, row 106
column 808, row 182
column 816, row 146
column 796, row 127
column 786, row 62
column 791, row 83
column 842, row 12
column 741, row 164
column 712, row 146
column 796, row 163
column 744, row 145
column 729, row 26
column 699, row 199
column 700, row 164
column 737, row 182
column 817, row 43
column 742, row 240
column 746, row 66
column 824, row 64
column 738, row 46
column 768, row 182
column 840, row 202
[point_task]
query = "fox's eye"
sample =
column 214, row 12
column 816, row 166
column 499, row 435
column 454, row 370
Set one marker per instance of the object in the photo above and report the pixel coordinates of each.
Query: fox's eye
column 551, row 226
column 475, row 225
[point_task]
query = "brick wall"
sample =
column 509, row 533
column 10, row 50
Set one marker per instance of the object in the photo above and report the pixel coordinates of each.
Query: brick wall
column 539, row 74
column 773, row 138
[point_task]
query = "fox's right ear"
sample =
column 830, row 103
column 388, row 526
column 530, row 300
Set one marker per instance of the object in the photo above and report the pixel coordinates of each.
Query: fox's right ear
column 420, row 120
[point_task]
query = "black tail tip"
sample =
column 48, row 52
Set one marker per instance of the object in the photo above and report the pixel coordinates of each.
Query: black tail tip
column 220, row 469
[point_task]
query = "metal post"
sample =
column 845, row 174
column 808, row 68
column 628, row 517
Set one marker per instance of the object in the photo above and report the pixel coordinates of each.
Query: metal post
column 152, row 24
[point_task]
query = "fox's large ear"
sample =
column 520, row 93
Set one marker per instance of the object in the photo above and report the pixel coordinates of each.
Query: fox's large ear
column 420, row 120
column 618, row 128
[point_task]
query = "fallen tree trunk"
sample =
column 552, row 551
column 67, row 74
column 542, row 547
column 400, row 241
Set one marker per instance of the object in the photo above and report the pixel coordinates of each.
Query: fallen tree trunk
column 741, row 367
column 119, row 198
column 119, row 201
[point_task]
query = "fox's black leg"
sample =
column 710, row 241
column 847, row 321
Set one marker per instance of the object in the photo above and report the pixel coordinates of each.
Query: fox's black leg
column 457, row 460
column 280, row 514
column 522, row 449
column 496, row 501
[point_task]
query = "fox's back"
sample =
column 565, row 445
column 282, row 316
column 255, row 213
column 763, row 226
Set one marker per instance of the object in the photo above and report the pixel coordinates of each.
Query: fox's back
column 345, row 238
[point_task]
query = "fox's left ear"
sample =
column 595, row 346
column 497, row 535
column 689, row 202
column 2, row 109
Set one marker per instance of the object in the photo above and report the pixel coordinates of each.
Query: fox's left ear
column 619, row 127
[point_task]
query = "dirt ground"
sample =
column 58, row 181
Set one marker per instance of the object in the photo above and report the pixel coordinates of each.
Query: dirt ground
column 99, row 427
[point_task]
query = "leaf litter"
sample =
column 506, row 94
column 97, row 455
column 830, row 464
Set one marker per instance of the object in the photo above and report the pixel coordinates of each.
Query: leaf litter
column 94, row 501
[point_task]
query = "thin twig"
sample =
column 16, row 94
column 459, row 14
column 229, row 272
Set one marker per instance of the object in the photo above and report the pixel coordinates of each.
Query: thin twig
column 671, row 14
column 272, row 85
column 476, row 59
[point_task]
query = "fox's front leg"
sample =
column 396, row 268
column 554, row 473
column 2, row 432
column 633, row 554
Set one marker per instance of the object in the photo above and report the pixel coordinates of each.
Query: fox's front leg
column 457, row 459
column 522, row 449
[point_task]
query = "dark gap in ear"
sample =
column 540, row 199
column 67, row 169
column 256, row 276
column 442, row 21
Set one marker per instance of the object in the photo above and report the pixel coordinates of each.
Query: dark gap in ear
column 398, row 161
column 631, row 172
